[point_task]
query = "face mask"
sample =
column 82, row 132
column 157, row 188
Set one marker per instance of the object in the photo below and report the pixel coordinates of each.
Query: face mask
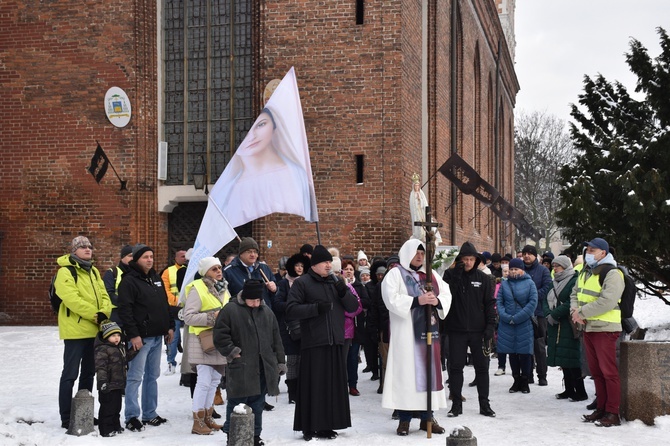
column 590, row 260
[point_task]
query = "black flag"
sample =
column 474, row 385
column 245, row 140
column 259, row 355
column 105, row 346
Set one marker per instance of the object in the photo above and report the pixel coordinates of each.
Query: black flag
column 99, row 164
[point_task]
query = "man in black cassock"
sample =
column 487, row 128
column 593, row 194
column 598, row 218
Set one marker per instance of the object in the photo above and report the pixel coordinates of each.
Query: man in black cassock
column 319, row 300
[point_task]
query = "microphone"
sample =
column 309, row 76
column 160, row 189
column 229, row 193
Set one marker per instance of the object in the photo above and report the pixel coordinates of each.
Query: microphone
column 333, row 275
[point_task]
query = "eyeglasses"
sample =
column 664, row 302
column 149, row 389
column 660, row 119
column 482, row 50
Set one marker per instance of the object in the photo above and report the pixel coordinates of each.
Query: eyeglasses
column 87, row 247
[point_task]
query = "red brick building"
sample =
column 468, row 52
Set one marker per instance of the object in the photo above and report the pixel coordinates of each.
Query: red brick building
column 388, row 89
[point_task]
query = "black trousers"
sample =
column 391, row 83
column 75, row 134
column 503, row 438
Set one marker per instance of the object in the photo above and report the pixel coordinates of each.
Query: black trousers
column 458, row 351
column 110, row 411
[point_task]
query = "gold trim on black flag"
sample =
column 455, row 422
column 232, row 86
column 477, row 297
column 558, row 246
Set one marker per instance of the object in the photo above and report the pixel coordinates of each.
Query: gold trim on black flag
column 99, row 164
column 502, row 208
column 461, row 174
column 468, row 180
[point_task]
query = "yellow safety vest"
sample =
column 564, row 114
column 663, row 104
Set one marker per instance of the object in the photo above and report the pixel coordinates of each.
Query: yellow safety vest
column 588, row 290
column 119, row 276
column 172, row 272
column 209, row 302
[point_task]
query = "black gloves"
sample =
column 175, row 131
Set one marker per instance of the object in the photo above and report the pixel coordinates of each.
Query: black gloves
column 99, row 316
column 488, row 334
column 324, row 307
column 341, row 288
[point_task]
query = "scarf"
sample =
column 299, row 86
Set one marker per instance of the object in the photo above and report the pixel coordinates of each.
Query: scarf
column 85, row 264
column 560, row 281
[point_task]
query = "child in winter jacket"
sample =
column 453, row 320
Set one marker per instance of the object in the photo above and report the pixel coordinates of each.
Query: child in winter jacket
column 111, row 364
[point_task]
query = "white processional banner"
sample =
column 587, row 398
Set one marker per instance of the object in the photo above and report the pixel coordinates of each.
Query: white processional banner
column 270, row 172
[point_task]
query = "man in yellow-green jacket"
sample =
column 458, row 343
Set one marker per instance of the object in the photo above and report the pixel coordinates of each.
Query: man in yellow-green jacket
column 85, row 304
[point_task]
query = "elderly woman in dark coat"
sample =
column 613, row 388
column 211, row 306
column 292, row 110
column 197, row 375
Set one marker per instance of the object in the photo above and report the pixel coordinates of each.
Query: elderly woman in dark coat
column 296, row 265
column 563, row 345
column 517, row 300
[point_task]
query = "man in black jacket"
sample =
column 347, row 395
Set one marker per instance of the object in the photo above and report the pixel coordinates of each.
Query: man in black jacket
column 144, row 311
column 319, row 300
column 470, row 323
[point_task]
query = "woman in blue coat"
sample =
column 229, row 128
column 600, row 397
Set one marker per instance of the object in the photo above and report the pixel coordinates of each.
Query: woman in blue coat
column 517, row 300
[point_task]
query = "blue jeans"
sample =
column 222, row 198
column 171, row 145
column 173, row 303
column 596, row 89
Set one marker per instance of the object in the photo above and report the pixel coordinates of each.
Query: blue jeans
column 75, row 352
column 144, row 369
column 172, row 347
column 352, row 364
column 256, row 402
column 502, row 360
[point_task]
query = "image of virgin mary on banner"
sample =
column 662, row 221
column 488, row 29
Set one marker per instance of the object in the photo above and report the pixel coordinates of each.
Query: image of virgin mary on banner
column 271, row 170
column 269, row 173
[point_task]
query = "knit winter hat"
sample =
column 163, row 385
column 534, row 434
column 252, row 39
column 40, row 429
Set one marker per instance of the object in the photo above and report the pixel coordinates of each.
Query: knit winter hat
column 139, row 250
column 246, row 244
column 516, row 263
column 108, row 328
column 321, row 254
column 487, row 255
column 206, row 263
column 495, row 257
column 337, row 265
column 253, row 289
column 381, row 270
column 79, row 242
column 391, row 260
column 529, row 249
column 126, row 250
column 361, row 255
column 563, row 261
column 306, row 249
column 364, row 270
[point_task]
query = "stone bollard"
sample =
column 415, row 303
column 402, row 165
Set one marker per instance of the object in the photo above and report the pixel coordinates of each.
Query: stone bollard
column 241, row 430
column 81, row 414
column 461, row 436
column 644, row 370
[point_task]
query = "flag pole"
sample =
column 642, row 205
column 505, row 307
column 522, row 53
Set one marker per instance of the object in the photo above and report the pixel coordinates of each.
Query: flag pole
column 318, row 233
column 123, row 182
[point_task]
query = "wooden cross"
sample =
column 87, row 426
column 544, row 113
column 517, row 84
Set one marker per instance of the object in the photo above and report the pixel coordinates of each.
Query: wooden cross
column 428, row 226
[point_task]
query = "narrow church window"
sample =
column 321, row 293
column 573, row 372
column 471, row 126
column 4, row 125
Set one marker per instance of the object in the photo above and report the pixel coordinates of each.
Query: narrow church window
column 207, row 83
column 360, row 11
column 359, row 169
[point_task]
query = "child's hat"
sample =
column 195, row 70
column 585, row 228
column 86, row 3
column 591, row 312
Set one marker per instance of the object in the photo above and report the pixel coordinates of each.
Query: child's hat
column 108, row 328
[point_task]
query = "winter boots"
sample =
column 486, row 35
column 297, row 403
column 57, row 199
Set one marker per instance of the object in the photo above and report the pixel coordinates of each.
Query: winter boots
column 199, row 426
column 523, row 384
column 574, row 385
column 435, row 428
column 456, row 408
column 485, row 409
column 209, row 421
column 218, row 399
column 569, row 386
column 517, row 384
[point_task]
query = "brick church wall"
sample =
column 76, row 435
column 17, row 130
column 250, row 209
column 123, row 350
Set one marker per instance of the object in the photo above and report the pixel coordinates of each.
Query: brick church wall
column 360, row 87
column 58, row 61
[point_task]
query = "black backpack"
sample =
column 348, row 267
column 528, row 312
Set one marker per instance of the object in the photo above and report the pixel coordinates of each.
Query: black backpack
column 53, row 297
column 628, row 296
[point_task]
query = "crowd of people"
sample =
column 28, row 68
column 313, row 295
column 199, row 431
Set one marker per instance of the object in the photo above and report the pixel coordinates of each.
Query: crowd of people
column 241, row 327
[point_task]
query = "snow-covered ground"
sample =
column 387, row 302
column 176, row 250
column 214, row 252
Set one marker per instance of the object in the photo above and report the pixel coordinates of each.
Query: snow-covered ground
column 31, row 366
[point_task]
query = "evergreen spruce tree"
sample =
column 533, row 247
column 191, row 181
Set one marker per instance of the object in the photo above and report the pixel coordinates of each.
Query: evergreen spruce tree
column 619, row 184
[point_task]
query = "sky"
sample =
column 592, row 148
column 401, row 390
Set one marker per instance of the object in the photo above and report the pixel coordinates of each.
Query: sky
column 32, row 362
column 558, row 42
